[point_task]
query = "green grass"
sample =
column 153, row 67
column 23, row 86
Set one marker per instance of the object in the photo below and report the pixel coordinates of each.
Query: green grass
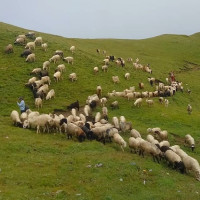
column 48, row 166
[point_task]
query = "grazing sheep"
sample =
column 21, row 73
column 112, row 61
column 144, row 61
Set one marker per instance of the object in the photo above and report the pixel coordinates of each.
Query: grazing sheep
column 97, row 117
column 122, row 123
column 115, row 79
column 43, row 89
column 138, row 102
column 87, row 110
column 38, row 103
column 31, row 81
column 104, row 68
column 150, row 102
column 141, row 85
column 151, row 139
column 103, row 101
column 9, row 49
column 74, row 105
column 44, row 46
column 127, row 76
column 60, row 53
column 38, row 40
column 46, row 79
column 189, row 140
column 193, row 165
column 69, row 60
column 16, row 119
column 30, row 58
column 99, row 91
column 166, row 102
column 105, row 113
column 46, row 65
column 36, row 71
column 134, row 133
column 23, row 116
column 129, row 95
column 26, row 53
column 133, row 144
column 96, row 69
column 57, row 76
column 73, row 77
column 30, row 45
column 189, row 109
column 54, row 59
column 115, row 122
column 20, row 41
column 114, row 105
column 153, row 130
column 30, row 35
column 106, row 61
column 164, row 143
column 61, row 68
column 50, row 94
column 119, row 140
column 161, row 135
column 72, row 49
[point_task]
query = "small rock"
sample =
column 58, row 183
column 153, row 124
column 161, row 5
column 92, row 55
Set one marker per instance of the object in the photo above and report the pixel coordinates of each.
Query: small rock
column 150, row 170
column 78, row 194
column 121, row 179
column 99, row 165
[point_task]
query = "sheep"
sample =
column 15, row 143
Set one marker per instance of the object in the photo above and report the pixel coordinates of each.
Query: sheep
column 46, row 79
column 50, row 94
column 46, row 65
column 73, row 77
column 189, row 109
column 97, row 117
column 31, row 81
column 134, row 133
column 127, row 76
column 30, row 45
column 72, row 49
column 129, row 60
column 96, row 69
column 122, row 123
column 129, row 95
column 106, row 61
column 20, row 41
column 44, row 46
column 57, row 76
column 30, row 58
column 119, row 94
column 60, row 53
column 74, row 105
column 141, row 85
column 103, row 101
column 87, row 110
column 69, row 60
column 193, row 165
column 99, row 91
column 54, row 59
column 161, row 100
column 161, row 135
column 26, row 53
column 175, row 160
column 23, row 116
column 104, row 68
column 38, row 40
column 43, row 90
column 36, row 71
column 115, row 122
column 105, row 113
column 83, row 118
column 9, row 49
column 38, row 83
column 189, row 140
column 153, row 130
column 119, row 140
column 61, row 67
column 115, row 79
column 164, row 143
column 114, row 105
column 138, row 102
column 166, row 102
column 16, row 119
column 150, row 102
column 30, row 35
column 38, row 103
column 98, row 51
column 133, row 144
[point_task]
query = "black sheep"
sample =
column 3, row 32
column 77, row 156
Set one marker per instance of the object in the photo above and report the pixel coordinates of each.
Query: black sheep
column 74, row 105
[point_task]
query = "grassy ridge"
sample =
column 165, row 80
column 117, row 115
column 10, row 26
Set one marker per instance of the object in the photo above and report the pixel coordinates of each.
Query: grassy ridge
column 36, row 166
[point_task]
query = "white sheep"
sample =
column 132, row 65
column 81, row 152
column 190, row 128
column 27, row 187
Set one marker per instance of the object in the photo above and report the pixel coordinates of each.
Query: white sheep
column 31, row 81
column 83, row 118
column 46, row 79
column 133, row 144
column 103, row 101
column 38, row 40
column 115, row 79
column 150, row 102
column 23, row 116
column 96, row 69
column 119, row 140
column 105, row 112
column 122, row 123
column 50, row 94
column 87, row 110
column 166, row 102
column 61, row 67
column 57, row 76
column 127, row 76
column 99, row 91
column 114, row 105
column 54, row 59
column 115, row 122
column 189, row 109
column 69, row 60
column 104, row 68
column 189, row 140
column 73, row 77
column 38, row 103
column 153, row 130
column 138, row 102
column 129, row 95
column 44, row 46
column 106, row 61
column 161, row 135
column 30, row 58
column 36, row 71
column 30, row 45
column 20, row 40
column 16, row 119
column 46, row 65
column 43, row 89
column 97, row 117
column 164, row 143
column 134, row 133
column 151, row 139
column 72, row 49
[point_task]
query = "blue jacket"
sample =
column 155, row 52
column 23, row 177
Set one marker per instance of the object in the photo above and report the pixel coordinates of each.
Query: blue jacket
column 21, row 105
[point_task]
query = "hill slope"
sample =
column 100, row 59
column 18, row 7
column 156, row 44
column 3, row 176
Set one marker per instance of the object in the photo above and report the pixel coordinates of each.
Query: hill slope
column 40, row 165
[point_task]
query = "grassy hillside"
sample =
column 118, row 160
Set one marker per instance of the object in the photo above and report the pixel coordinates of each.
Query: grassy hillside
column 47, row 166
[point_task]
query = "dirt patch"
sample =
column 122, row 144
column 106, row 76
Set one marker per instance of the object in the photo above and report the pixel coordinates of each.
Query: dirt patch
column 189, row 66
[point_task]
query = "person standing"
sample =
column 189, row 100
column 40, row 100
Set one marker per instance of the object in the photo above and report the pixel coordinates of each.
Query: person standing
column 21, row 105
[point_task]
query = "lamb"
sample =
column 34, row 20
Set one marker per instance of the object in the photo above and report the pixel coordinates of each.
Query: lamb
column 141, row 85
column 103, row 101
column 106, row 61
column 99, row 91
column 26, row 53
column 50, row 94
column 138, row 102
column 69, row 60
column 38, row 83
column 127, row 76
column 114, row 105
column 9, row 49
column 46, row 79
column 189, row 140
column 54, row 59
column 119, row 140
column 61, row 68
column 105, row 113
column 46, row 65
column 115, row 122
column 72, row 49
column 30, row 45
column 38, row 103
column 161, row 100
column 97, row 117
column 82, row 117
column 30, row 58
column 122, row 123
column 96, row 69
column 134, row 133
column 44, row 46
column 193, row 165
column 150, row 102
column 73, row 77
column 104, row 68
column 87, row 110
column 129, row 95
column 38, row 40
column 16, row 119
column 57, row 76
column 189, row 109
column 115, row 79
